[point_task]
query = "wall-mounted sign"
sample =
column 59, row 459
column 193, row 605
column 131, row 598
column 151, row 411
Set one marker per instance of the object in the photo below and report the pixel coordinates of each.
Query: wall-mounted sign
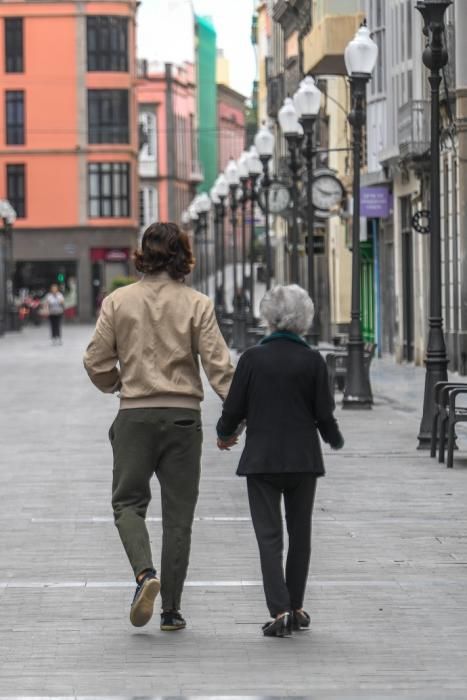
column 110, row 254
column 375, row 202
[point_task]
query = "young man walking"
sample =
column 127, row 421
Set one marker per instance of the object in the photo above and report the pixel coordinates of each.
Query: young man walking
column 156, row 330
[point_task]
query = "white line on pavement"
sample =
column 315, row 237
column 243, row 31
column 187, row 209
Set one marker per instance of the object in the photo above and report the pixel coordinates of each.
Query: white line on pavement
column 354, row 583
column 109, row 519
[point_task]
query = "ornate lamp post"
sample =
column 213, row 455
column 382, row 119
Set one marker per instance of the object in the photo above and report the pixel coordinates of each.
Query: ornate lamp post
column 233, row 178
column 244, row 196
column 222, row 189
column 198, row 270
column 203, row 207
column 290, row 126
column 360, row 59
column 264, row 142
column 307, row 101
column 435, row 57
column 254, row 169
column 215, row 199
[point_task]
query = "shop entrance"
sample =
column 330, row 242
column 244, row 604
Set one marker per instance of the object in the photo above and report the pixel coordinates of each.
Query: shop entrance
column 107, row 265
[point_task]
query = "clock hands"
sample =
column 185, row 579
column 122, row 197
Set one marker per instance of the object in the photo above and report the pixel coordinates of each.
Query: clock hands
column 327, row 192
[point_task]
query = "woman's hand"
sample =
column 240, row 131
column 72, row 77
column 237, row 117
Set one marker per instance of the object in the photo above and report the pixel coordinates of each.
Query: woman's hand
column 339, row 444
column 227, row 443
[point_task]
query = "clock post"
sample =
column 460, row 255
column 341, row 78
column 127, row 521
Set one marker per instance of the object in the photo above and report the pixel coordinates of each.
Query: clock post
column 308, row 123
column 264, row 144
column 307, row 101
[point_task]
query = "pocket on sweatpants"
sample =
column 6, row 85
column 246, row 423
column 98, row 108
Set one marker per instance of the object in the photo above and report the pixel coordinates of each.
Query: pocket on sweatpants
column 112, row 430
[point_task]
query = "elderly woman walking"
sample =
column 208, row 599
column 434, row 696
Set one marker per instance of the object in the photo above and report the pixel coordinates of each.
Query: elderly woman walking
column 281, row 389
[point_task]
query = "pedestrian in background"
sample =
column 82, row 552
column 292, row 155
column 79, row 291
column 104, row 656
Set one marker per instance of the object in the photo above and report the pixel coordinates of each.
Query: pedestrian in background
column 55, row 303
column 157, row 329
column 281, row 389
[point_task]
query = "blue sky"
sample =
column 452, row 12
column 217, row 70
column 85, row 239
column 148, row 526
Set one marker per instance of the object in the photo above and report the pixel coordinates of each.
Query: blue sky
column 164, row 33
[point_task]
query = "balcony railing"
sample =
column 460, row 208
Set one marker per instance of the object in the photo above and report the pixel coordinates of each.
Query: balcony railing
column 413, row 126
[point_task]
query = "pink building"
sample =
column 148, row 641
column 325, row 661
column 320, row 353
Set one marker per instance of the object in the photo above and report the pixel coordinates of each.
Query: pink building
column 167, row 116
column 231, row 124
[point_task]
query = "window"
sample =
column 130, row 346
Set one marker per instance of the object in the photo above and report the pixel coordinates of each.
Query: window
column 107, row 41
column 16, row 188
column 14, row 62
column 14, row 105
column 409, row 30
column 148, row 126
column 108, row 116
column 378, row 83
column 148, row 207
column 109, row 190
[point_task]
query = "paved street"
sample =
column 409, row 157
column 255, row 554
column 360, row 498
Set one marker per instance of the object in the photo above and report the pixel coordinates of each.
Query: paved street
column 387, row 589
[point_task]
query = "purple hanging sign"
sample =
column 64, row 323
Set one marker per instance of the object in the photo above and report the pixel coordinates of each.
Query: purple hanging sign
column 375, row 202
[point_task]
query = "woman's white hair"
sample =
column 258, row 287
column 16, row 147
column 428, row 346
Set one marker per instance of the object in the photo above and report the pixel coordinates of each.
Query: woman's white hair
column 288, row 308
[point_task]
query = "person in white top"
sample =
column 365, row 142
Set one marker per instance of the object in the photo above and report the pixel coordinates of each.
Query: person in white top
column 55, row 307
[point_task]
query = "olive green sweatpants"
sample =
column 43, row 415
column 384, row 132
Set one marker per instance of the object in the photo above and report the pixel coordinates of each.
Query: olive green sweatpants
column 165, row 442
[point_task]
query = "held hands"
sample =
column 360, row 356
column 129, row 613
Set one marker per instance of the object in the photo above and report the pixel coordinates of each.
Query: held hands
column 227, row 443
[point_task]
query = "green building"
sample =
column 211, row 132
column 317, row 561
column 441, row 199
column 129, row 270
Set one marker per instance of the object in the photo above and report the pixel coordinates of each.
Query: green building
column 206, row 61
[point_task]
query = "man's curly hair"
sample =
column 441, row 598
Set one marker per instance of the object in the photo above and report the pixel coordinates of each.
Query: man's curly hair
column 165, row 248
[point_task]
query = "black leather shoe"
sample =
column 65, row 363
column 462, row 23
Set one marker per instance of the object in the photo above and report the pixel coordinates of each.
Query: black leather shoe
column 280, row 627
column 300, row 620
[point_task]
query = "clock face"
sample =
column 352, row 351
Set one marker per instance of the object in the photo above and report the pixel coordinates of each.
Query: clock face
column 327, row 192
column 279, row 198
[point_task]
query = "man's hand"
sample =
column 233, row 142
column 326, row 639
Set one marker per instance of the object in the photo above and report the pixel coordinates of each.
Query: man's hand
column 227, row 443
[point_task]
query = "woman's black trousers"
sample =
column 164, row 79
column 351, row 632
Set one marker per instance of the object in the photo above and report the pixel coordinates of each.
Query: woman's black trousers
column 283, row 592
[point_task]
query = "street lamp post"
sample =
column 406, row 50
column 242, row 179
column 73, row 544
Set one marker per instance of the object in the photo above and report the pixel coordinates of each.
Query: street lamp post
column 203, row 207
column 307, row 101
column 291, row 129
column 435, row 57
column 222, row 189
column 360, row 59
column 215, row 199
column 197, row 272
column 255, row 169
column 233, row 179
column 264, row 142
column 244, row 176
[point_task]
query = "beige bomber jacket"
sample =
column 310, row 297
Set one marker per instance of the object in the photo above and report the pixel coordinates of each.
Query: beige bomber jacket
column 156, row 330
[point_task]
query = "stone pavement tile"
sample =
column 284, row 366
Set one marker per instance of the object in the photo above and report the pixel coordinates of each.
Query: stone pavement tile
column 387, row 583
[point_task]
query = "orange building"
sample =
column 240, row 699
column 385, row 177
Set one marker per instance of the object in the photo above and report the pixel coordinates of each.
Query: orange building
column 69, row 142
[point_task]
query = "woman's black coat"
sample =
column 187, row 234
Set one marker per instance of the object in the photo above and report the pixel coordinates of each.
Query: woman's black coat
column 281, row 389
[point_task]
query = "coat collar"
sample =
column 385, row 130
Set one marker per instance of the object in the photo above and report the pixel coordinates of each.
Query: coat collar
column 284, row 335
column 159, row 277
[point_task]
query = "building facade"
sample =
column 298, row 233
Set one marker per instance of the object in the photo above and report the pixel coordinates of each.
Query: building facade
column 231, row 125
column 168, row 140
column 69, row 169
column 399, row 158
column 295, row 39
column 206, row 80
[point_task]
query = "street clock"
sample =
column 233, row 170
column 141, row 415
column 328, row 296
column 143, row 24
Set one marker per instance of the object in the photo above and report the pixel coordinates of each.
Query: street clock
column 328, row 191
column 279, row 197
